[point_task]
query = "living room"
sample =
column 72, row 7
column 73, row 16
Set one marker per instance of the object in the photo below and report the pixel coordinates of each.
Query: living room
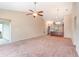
column 33, row 29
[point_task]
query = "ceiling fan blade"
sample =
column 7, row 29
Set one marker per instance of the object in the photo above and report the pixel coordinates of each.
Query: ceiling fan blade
column 40, row 11
column 31, row 10
column 29, row 14
column 40, row 14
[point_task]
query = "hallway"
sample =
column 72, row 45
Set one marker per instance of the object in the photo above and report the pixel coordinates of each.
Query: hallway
column 40, row 47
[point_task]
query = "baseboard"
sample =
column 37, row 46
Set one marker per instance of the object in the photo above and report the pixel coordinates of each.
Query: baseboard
column 34, row 37
column 67, row 38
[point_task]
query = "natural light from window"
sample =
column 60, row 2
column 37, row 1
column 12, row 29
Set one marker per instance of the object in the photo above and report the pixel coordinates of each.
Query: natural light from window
column 0, row 31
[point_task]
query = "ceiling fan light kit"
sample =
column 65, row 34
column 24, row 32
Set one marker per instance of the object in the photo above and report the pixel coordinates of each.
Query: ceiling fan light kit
column 34, row 14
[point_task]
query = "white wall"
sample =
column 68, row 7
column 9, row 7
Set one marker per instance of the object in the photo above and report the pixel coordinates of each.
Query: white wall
column 73, row 23
column 23, row 26
column 76, row 28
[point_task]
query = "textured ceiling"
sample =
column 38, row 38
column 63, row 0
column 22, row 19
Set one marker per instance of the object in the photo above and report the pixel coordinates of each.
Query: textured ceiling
column 49, row 8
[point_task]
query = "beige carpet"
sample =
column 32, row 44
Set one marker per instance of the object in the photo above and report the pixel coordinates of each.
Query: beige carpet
column 46, row 46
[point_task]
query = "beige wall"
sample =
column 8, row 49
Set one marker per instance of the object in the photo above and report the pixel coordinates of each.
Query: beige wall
column 23, row 26
column 68, row 26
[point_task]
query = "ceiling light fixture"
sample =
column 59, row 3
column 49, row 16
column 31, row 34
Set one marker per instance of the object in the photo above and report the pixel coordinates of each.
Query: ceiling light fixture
column 35, row 14
column 57, row 23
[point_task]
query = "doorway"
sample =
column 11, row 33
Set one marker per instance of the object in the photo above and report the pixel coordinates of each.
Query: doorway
column 56, row 29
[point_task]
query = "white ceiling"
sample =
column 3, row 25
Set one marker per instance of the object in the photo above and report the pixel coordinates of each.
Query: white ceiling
column 49, row 8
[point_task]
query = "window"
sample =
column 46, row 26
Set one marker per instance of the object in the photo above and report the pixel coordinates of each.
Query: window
column 5, row 33
column 0, row 31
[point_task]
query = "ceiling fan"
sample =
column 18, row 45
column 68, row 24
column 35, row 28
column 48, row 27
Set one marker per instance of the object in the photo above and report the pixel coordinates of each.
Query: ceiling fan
column 35, row 12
